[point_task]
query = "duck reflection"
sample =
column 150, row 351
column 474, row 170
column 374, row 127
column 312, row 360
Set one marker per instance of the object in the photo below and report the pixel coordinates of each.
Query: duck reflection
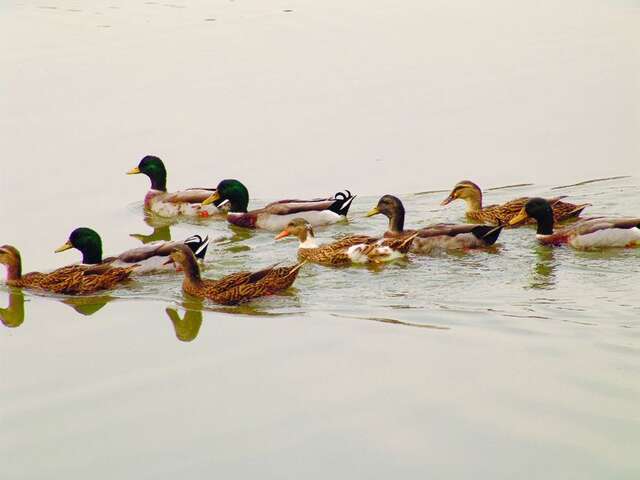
column 13, row 315
column 543, row 275
column 187, row 327
column 161, row 230
column 87, row 305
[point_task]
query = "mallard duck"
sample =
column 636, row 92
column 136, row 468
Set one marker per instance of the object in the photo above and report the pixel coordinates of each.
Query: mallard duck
column 149, row 258
column 275, row 216
column 171, row 204
column 347, row 250
column 234, row 288
column 501, row 214
column 71, row 280
column 441, row 236
column 592, row 233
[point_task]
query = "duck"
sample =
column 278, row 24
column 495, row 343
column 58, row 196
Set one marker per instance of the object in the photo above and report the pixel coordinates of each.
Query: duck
column 585, row 234
column 171, row 204
column 436, row 237
column 235, row 288
column 346, row 251
column 148, row 258
column 275, row 216
column 502, row 214
column 69, row 280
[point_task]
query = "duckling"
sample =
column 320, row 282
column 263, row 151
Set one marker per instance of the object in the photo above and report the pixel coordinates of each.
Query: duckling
column 171, row 204
column 347, row 250
column 441, row 236
column 235, row 288
column 70, row 280
column 275, row 216
column 501, row 214
column 587, row 234
column 149, row 258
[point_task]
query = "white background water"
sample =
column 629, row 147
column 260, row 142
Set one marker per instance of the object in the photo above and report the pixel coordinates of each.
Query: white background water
column 520, row 362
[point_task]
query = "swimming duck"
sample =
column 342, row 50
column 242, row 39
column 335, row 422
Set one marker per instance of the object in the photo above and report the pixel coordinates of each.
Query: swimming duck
column 171, row 204
column 441, row 236
column 149, row 258
column 275, row 216
column 234, row 288
column 347, row 250
column 592, row 233
column 501, row 214
column 70, row 280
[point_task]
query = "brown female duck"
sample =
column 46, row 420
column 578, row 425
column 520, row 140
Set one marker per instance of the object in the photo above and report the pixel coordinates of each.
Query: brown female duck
column 347, row 250
column 70, row 280
column 441, row 236
column 234, row 288
column 502, row 214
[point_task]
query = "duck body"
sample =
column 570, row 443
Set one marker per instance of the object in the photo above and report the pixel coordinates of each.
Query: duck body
column 150, row 258
column 502, row 214
column 436, row 237
column 69, row 280
column 353, row 249
column 275, row 216
column 171, row 204
column 235, row 288
column 588, row 234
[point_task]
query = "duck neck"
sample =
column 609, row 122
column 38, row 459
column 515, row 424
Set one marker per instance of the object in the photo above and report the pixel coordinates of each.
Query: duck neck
column 545, row 225
column 92, row 255
column 191, row 271
column 14, row 270
column 396, row 220
column 307, row 239
column 474, row 202
column 158, row 177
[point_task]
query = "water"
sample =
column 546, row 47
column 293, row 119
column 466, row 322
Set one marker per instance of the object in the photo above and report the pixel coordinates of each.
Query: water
column 515, row 362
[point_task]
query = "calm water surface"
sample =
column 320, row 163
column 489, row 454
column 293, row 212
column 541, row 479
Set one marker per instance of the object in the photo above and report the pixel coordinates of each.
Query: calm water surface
column 515, row 362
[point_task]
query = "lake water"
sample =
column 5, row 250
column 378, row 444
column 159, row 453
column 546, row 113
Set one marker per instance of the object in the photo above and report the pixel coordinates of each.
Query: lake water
column 516, row 362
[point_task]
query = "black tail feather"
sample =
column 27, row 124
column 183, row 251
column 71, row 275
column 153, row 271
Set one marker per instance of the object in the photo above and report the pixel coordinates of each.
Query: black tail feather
column 488, row 233
column 342, row 202
column 198, row 245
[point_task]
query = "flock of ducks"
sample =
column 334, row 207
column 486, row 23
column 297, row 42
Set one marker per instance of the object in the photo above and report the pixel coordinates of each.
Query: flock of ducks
column 297, row 218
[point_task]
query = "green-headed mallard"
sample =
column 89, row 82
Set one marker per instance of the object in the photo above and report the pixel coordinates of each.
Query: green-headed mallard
column 347, row 250
column 591, row 233
column 234, row 288
column 501, row 214
column 441, row 236
column 149, row 258
column 70, row 280
column 275, row 216
column 171, row 204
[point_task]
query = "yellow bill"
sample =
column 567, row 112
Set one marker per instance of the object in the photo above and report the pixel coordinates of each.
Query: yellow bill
column 66, row 246
column 448, row 200
column 213, row 198
column 372, row 212
column 519, row 218
column 133, row 171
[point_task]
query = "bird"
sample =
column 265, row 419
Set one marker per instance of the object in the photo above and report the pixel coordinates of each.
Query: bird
column 501, row 214
column 348, row 250
column 171, row 204
column 148, row 258
column 70, row 280
column 436, row 237
column 586, row 234
column 235, row 288
column 275, row 216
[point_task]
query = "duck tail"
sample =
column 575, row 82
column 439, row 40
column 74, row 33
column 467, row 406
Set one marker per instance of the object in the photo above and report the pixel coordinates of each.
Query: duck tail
column 198, row 245
column 342, row 202
column 487, row 233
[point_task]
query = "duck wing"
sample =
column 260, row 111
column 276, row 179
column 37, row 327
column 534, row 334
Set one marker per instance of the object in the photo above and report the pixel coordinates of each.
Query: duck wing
column 191, row 195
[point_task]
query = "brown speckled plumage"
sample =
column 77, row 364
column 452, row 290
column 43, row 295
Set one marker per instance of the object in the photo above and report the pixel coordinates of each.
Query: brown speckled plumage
column 70, row 280
column 502, row 214
column 234, row 288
